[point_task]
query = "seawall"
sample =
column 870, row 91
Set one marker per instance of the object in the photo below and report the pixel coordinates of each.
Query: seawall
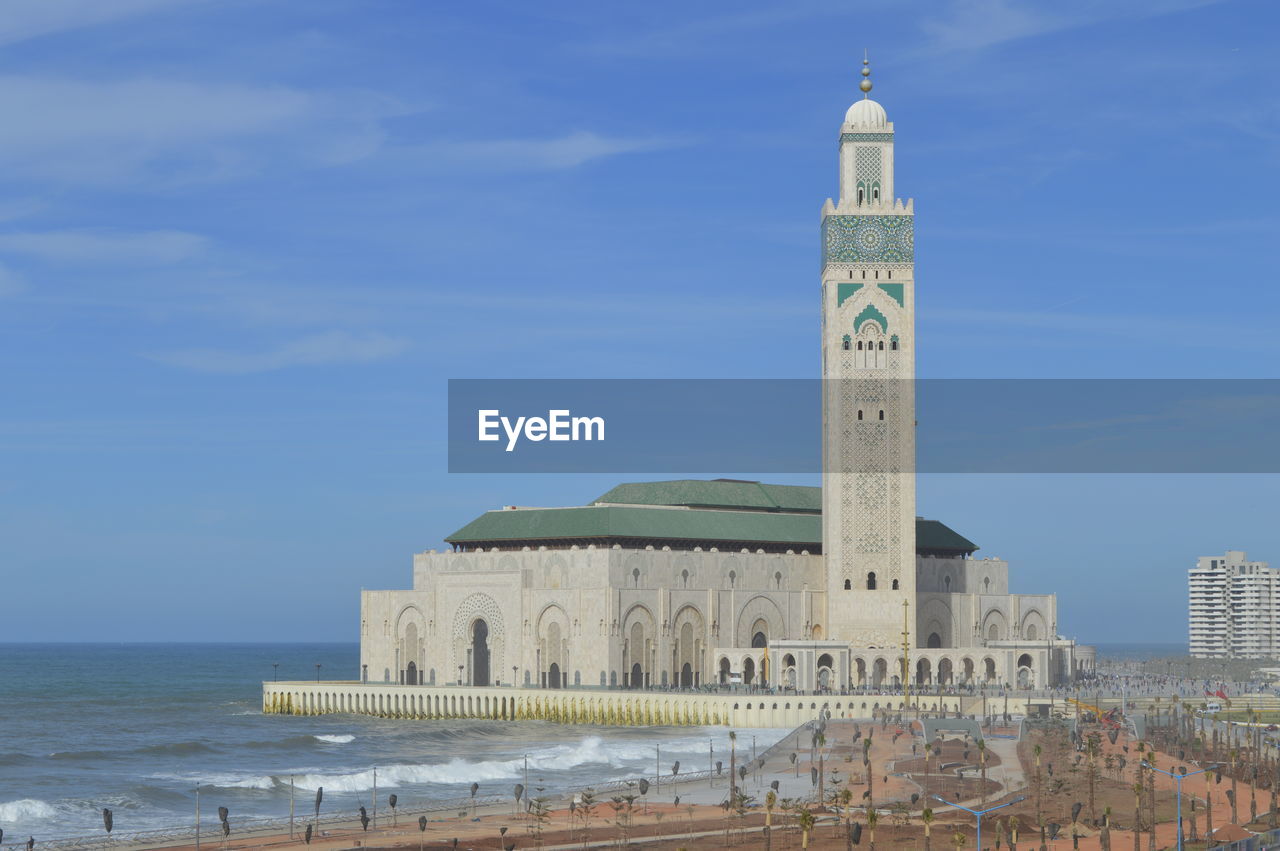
column 601, row 707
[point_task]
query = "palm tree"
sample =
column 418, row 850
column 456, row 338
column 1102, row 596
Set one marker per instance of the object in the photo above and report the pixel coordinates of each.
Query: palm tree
column 819, row 742
column 872, row 818
column 1137, row 811
column 1235, row 756
column 1092, row 750
column 1104, row 837
column 733, row 763
column 806, row 820
column 1151, row 791
column 770, row 801
column 1271, row 819
column 1039, row 786
column 982, row 759
column 927, row 818
column 866, row 764
column 1208, row 806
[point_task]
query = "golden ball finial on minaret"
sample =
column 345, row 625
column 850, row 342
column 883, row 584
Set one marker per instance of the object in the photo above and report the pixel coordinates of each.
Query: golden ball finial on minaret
column 865, row 85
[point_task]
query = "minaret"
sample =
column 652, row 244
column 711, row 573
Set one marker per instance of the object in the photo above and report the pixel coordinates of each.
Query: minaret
column 868, row 363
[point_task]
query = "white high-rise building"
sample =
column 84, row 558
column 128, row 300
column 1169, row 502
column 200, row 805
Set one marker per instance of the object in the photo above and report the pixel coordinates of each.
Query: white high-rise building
column 1234, row 608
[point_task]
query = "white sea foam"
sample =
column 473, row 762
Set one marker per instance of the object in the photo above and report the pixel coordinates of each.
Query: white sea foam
column 222, row 781
column 25, row 810
column 456, row 771
column 335, row 739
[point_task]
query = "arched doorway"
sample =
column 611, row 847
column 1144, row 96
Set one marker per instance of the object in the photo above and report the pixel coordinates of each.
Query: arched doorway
column 759, row 640
column 637, row 676
column 411, row 674
column 934, row 641
column 946, row 672
column 686, row 676
column 1026, row 679
column 724, row 671
column 480, row 653
column 553, row 676
column 748, row 670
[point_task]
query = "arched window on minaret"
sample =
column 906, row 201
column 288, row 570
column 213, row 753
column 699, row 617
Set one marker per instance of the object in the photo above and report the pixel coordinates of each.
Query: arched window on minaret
column 875, row 191
column 859, row 413
column 895, row 585
column 845, row 343
column 848, row 585
column 862, row 191
column 871, row 581
column 859, row 345
column 881, row 414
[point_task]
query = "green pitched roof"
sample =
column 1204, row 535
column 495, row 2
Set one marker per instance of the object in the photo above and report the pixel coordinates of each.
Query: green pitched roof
column 717, row 493
column 735, row 511
column 624, row 521
column 933, row 535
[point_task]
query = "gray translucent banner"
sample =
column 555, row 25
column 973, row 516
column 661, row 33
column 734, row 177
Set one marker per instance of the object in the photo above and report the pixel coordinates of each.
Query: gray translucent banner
column 775, row 425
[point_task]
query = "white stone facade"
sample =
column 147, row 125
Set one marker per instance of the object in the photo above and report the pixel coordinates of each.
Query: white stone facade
column 588, row 617
column 1233, row 608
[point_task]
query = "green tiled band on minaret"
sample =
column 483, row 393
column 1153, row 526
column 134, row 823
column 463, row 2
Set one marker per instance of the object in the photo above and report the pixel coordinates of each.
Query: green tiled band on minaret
column 870, row 314
column 896, row 292
column 844, row 291
column 868, row 239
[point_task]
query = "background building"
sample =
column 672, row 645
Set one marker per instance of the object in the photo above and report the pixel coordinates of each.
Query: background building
column 1234, row 608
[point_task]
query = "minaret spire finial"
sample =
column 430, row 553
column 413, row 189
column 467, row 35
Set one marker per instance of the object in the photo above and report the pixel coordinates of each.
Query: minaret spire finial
column 865, row 85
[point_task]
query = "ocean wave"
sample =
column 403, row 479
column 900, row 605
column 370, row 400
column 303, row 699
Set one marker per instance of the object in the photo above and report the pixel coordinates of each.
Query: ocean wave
column 82, row 755
column 26, row 810
column 237, row 781
column 335, row 739
column 590, row 750
column 15, row 758
column 175, row 748
column 162, row 749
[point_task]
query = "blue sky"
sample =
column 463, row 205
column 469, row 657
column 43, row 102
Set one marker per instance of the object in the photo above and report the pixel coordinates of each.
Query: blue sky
column 243, row 246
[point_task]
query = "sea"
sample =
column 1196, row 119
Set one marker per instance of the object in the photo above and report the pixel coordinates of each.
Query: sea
column 139, row 728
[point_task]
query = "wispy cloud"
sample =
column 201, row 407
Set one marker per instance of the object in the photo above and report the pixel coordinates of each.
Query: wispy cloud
column 27, row 19
column 977, row 24
column 1133, row 327
column 171, row 130
column 11, row 282
column 336, row 347
column 562, row 152
column 158, row 247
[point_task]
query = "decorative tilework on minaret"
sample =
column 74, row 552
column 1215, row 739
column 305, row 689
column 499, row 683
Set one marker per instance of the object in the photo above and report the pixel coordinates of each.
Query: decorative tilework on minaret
column 868, row 363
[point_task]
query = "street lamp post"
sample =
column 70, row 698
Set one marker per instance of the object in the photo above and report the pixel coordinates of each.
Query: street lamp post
column 317, row 672
column 978, row 814
column 1177, row 779
column 275, row 672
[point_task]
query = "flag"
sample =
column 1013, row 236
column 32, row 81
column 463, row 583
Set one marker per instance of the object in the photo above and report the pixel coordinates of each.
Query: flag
column 1220, row 693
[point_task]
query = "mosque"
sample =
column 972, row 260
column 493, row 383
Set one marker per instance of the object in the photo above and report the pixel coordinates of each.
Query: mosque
column 692, row 583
